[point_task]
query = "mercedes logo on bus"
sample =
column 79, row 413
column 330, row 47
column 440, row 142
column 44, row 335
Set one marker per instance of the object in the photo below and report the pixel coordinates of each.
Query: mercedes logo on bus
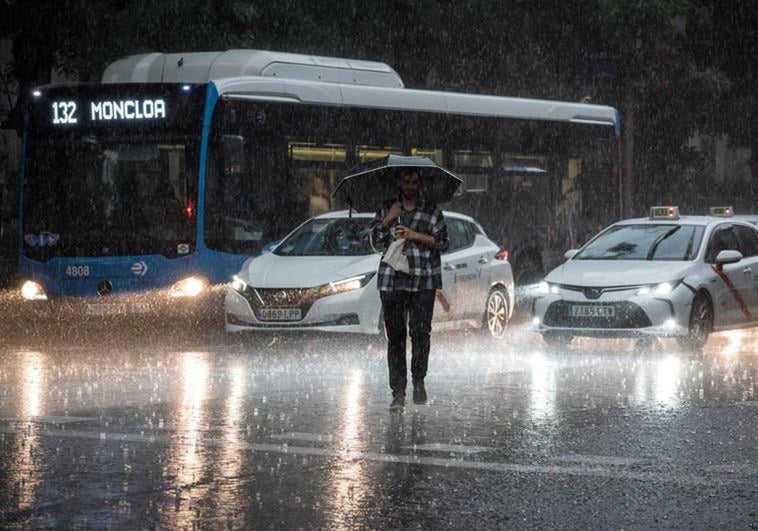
column 104, row 288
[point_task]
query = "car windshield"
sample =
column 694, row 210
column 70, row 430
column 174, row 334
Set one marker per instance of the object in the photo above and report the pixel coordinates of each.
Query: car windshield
column 329, row 237
column 645, row 242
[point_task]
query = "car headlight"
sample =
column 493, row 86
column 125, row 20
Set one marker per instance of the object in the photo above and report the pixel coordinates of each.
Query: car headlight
column 188, row 287
column 352, row 283
column 658, row 290
column 543, row 288
column 238, row 284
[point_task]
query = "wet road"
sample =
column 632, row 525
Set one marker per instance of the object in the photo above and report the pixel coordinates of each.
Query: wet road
column 178, row 426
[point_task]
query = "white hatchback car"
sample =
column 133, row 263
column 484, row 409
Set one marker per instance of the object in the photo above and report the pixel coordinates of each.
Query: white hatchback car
column 665, row 275
column 323, row 277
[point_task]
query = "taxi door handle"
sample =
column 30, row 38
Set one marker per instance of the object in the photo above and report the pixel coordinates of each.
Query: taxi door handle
column 483, row 260
column 449, row 267
column 748, row 271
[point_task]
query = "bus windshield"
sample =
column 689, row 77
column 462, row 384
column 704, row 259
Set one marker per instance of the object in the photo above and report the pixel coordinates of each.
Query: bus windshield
column 108, row 197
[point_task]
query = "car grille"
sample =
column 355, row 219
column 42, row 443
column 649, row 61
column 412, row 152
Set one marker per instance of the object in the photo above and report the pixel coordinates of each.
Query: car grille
column 302, row 298
column 627, row 315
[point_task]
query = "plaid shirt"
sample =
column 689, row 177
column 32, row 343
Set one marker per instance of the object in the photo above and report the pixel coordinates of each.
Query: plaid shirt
column 424, row 262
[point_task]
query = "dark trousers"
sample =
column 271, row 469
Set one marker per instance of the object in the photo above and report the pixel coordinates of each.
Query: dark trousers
column 415, row 308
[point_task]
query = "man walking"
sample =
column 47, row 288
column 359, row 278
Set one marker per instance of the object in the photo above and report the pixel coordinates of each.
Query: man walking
column 409, row 297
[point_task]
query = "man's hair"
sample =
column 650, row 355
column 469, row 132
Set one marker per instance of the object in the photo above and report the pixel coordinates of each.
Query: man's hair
column 402, row 172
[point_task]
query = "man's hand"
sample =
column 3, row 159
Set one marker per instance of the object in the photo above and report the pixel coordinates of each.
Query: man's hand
column 395, row 210
column 404, row 232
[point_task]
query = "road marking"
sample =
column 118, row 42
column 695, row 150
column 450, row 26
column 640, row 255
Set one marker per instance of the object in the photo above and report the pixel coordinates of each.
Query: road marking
column 49, row 419
column 300, row 436
column 448, row 448
column 601, row 459
column 664, row 476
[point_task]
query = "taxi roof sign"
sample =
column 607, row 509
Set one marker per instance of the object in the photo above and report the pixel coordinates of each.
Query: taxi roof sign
column 721, row 212
column 664, row 212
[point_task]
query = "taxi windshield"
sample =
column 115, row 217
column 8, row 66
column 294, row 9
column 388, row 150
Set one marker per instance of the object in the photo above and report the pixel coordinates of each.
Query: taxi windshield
column 665, row 241
column 329, row 237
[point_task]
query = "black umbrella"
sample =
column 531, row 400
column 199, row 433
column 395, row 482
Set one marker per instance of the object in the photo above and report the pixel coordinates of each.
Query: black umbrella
column 369, row 184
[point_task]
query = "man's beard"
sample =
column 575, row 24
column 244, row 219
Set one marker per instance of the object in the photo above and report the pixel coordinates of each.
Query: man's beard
column 408, row 196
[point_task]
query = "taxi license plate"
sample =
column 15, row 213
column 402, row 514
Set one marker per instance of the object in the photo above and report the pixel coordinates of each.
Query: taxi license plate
column 576, row 310
column 118, row 308
column 279, row 314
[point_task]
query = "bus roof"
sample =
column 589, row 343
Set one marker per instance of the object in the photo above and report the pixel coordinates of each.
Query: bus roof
column 278, row 76
column 202, row 67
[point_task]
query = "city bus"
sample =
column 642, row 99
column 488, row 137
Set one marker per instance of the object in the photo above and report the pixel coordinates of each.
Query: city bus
column 154, row 185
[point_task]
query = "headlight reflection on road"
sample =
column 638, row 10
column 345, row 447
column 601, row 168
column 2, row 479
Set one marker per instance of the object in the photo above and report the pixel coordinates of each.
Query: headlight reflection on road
column 28, row 465
column 542, row 399
column 194, row 374
column 735, row 342
column 32, row 384
column 666, row 380
column 348, row 482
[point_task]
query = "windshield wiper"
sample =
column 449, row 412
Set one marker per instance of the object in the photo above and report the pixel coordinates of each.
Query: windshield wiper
column 659, row 239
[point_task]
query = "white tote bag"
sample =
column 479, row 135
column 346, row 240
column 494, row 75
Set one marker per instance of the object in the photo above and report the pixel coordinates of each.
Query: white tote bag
column 395, row 258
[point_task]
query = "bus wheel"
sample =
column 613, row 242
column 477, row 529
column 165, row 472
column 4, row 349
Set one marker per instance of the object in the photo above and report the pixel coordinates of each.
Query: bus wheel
column 701, row 324
column 496, row 313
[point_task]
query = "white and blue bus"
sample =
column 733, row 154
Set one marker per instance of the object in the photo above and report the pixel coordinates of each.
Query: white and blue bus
column 164, row 177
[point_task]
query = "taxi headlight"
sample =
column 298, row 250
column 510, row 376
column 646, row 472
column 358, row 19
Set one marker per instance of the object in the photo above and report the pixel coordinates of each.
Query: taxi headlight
column 543, row 288
column 32, row 291
column 352, row 283
column 188, row 287
column 658, row 290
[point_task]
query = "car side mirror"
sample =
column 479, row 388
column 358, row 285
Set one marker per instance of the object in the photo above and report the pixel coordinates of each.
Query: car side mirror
column 571, row 253
column 727, row 257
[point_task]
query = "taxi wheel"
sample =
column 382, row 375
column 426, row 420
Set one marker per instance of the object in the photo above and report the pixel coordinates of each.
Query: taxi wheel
column 557, row 339
column 701, row 324
column 496, row 313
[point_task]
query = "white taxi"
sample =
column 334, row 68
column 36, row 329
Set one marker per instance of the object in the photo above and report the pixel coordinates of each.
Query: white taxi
column 323, row 277
column 666, row 275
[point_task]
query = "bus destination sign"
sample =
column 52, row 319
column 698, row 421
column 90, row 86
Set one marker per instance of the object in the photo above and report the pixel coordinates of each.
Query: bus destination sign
column 68, row 112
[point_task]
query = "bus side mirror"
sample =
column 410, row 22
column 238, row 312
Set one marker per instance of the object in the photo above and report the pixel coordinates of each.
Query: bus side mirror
column 233, row 153
column 727, row 257
column 571, row 253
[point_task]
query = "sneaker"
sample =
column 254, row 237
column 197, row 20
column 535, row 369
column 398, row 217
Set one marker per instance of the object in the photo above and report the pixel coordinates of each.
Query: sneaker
column 398, row 402
column 419, row 393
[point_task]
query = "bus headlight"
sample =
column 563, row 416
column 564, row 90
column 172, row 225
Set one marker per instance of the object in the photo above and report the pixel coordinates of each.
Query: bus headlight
column 188, row 287
column 32, row 291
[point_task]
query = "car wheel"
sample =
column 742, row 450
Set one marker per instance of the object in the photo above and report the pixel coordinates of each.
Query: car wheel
column 557, row 340
column 496, row 313
column 701, row 323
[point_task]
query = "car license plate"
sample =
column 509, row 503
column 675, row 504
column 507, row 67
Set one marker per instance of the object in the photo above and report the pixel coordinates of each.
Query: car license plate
column 279, row 314
column 118, row 308
column 584, row 310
